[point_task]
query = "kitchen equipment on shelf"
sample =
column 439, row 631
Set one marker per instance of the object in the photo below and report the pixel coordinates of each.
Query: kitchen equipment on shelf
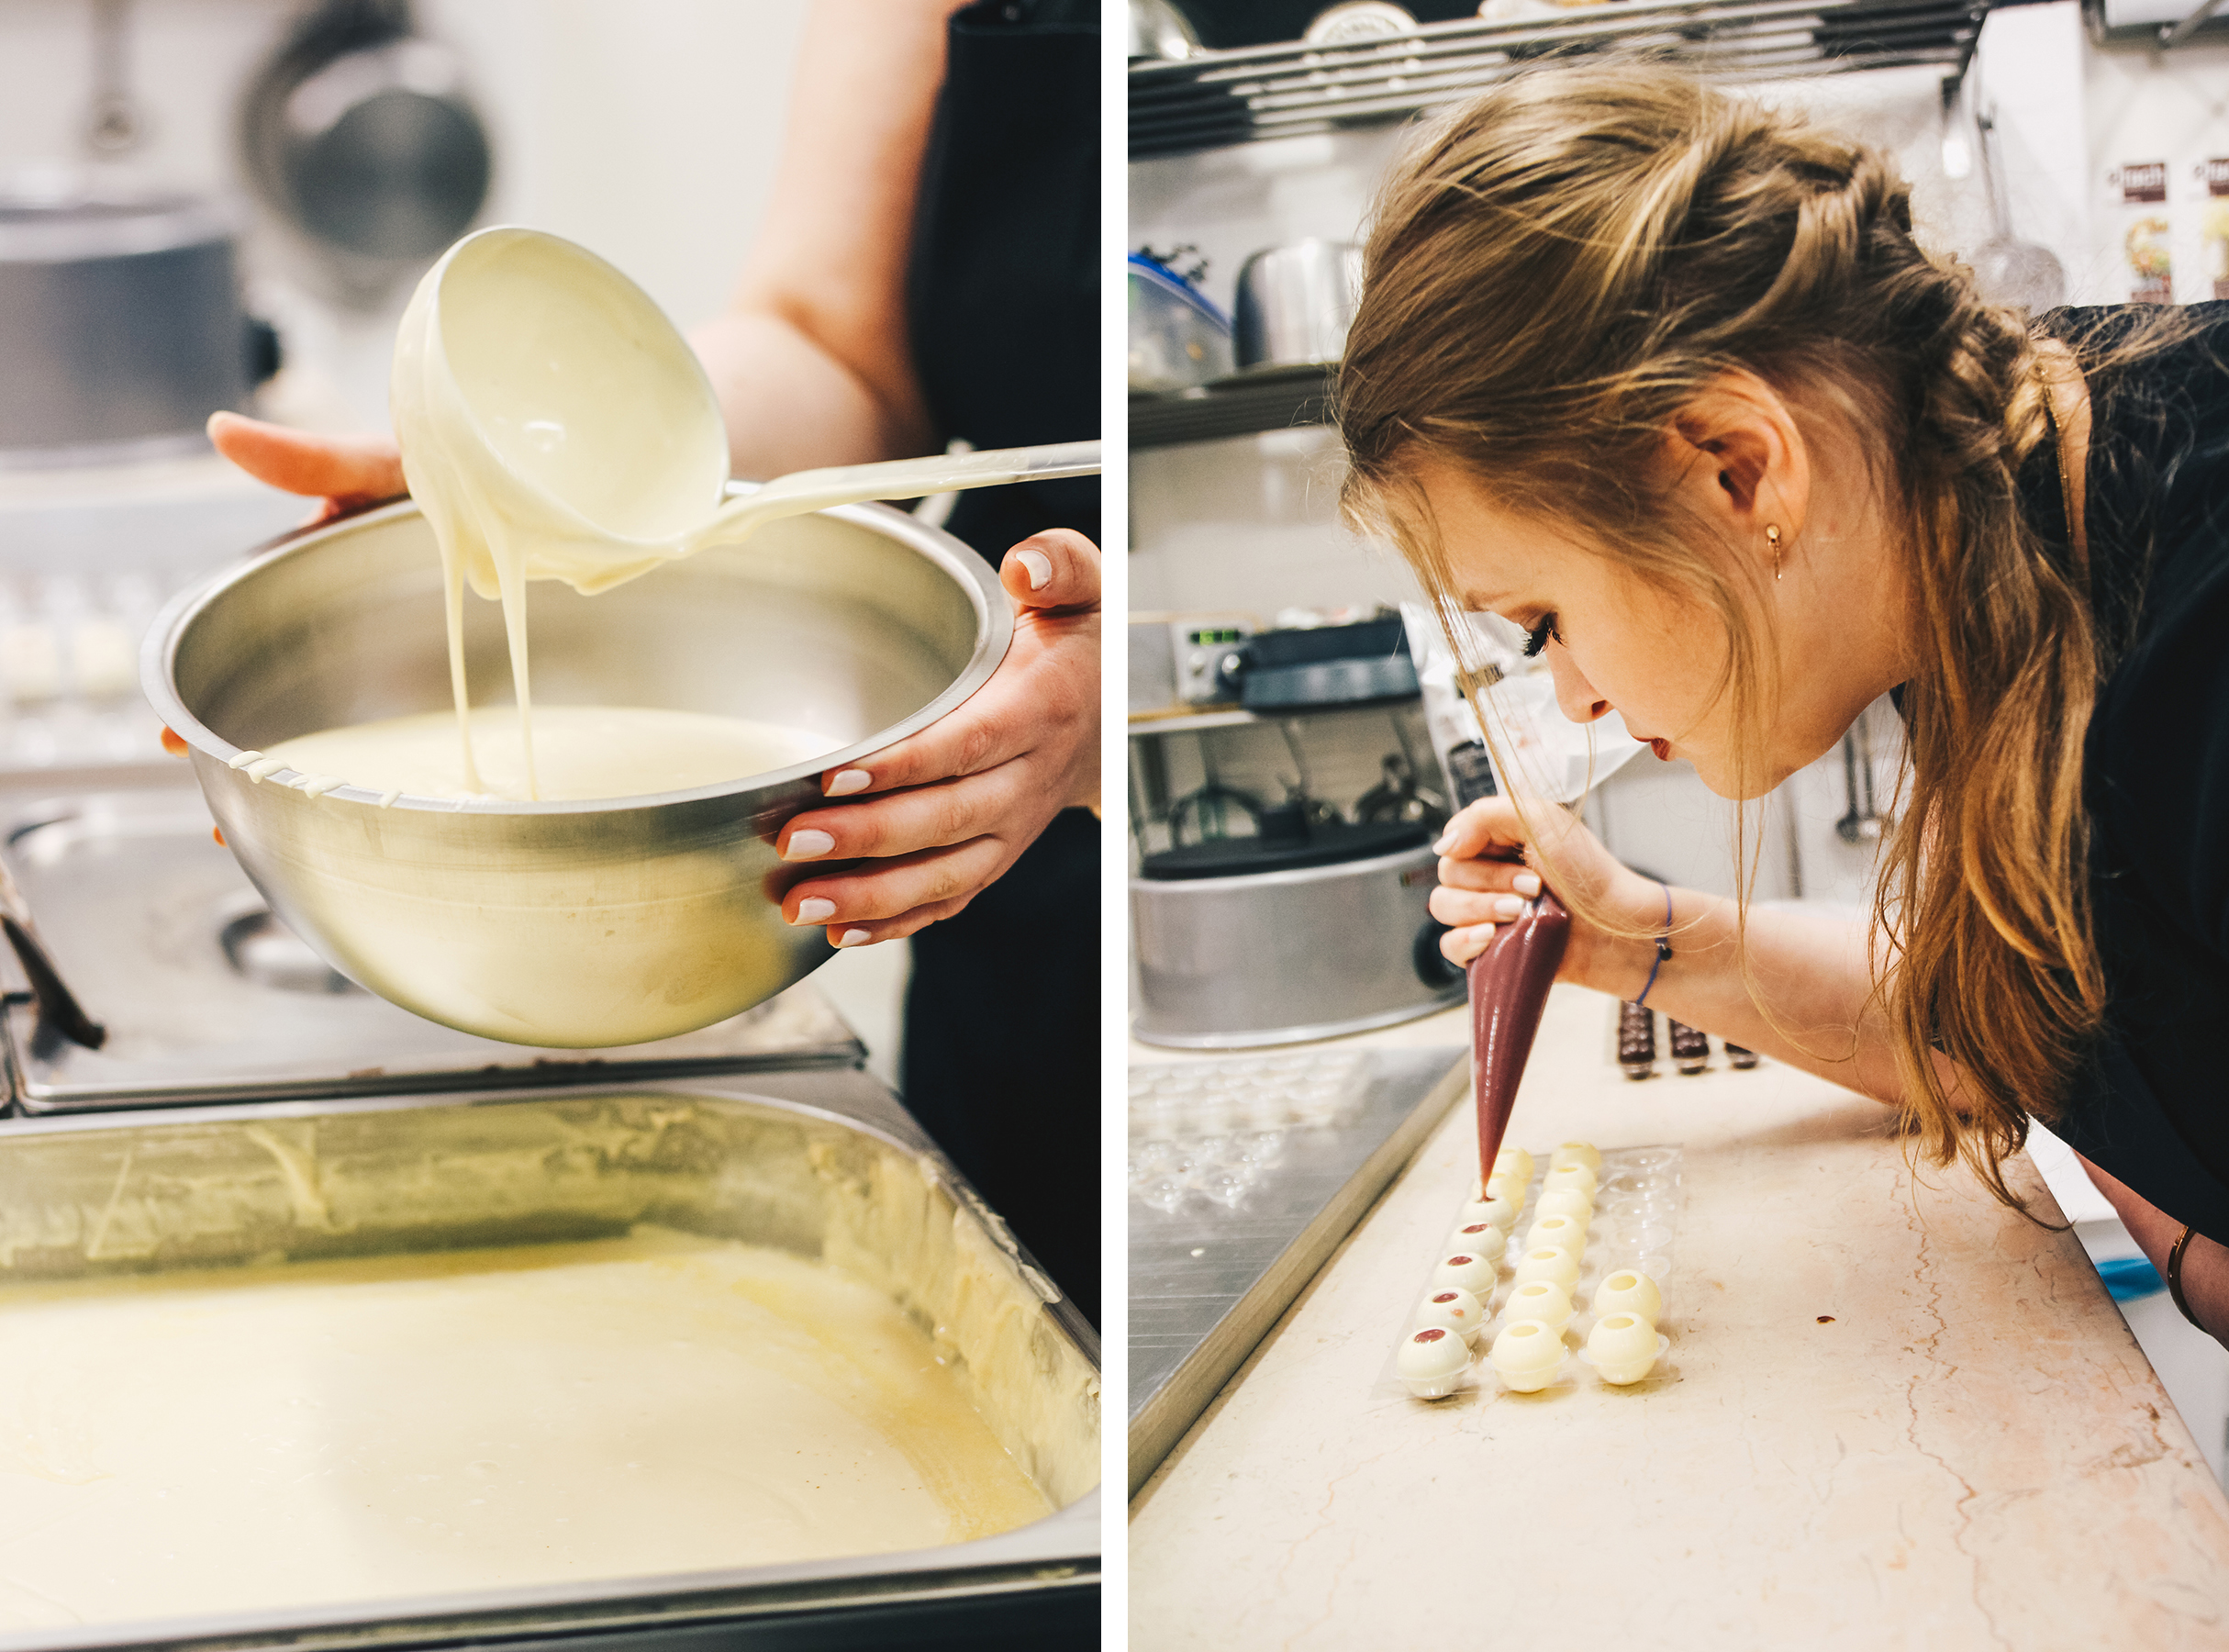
column 1308, row 929
column 1207, row 653
column 1178, row 336
column 1160, row 33
column 360, row 134
column 578, row 925
column 1353, row 22
column 1399, row 796
column 121, row 329
column 1295, row 302
column 1863, row 823
column 1319, row 666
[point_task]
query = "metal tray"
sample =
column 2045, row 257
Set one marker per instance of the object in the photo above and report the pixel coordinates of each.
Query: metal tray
column 146, row 918
column 823, row 1164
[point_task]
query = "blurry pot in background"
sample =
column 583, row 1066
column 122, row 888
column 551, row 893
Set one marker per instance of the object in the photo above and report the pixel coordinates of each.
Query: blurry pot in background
column 1295, row 302
column 1158, row 31
column 358, row 133
column 1178, row 338
column 120, row 328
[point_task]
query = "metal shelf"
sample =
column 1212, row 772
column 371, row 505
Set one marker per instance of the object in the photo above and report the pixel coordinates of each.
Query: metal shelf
column 1234, row 406
column 1221, row 98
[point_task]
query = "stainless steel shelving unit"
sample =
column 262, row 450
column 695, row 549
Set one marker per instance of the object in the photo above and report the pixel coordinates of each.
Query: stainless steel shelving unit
column 1221, row 98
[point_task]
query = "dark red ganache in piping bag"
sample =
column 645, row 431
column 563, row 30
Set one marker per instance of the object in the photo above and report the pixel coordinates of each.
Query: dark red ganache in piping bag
column 1508, row 988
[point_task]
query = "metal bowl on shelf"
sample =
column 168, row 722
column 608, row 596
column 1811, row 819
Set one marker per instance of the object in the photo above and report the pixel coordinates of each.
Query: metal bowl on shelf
column 569, row 925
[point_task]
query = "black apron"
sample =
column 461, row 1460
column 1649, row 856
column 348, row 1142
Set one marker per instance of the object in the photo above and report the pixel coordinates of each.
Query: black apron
column 1002, row 1040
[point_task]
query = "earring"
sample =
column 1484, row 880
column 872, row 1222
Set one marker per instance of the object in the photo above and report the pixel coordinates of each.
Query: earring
column 1772, row 538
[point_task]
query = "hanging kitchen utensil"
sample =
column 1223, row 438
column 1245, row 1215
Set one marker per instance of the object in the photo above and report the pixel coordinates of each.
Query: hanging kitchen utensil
column 113, row 126
column 1863, row 823
column 58, row 1007
column 359, row 133
column 2006, row 269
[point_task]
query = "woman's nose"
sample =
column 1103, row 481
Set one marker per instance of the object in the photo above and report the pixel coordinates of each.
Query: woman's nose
column 1574, row 694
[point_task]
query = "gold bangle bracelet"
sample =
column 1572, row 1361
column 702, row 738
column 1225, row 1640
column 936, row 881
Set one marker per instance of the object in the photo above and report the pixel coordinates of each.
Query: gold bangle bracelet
column 2175, row 1275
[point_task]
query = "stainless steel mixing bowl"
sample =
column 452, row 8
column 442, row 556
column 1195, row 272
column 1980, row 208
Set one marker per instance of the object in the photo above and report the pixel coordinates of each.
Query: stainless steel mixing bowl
column 578, row 924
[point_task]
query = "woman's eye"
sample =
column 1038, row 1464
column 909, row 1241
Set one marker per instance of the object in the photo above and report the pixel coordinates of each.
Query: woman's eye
column 1538, row 637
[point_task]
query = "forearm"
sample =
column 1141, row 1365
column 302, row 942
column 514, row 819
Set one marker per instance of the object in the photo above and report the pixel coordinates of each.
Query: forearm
column 1812, row 973
column 812, row 362
column 2205, row 1265
column 791, row 404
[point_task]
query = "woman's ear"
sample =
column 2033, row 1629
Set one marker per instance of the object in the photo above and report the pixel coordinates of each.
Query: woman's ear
column 1739, row 461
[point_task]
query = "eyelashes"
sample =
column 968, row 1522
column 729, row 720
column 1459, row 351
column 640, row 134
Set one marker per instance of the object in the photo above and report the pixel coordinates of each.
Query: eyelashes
column 1538, row 637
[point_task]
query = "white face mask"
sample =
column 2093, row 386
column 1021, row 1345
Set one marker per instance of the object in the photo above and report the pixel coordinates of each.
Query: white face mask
column 1548, row 755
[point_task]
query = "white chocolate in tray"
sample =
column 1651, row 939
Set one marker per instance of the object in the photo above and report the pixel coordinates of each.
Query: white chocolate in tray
column 1579, row 1279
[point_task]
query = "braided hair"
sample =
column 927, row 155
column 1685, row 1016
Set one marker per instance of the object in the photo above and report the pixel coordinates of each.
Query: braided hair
column 1553, row 276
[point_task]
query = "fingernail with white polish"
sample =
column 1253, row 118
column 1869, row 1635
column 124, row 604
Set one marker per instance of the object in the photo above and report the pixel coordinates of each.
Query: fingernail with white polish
column 844, row 782
column 813, row 909
column 1508, row 907
column 1037, row 565
column 854, row 938
column 808, row 845
column 1444, row 845
column 1526, row 883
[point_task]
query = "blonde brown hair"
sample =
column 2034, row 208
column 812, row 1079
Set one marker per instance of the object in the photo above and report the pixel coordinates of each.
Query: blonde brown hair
column 1556, row 274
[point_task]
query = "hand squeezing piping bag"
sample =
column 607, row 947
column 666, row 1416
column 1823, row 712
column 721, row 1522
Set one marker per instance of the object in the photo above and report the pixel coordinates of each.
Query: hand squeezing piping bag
column 1508, row 988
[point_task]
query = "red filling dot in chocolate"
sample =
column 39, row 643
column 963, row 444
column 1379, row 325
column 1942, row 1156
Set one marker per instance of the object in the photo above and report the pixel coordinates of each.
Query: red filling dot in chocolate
column 1461, row 1261
column 1478, row 1227
column 1445, row 1296
column 1432, row 1336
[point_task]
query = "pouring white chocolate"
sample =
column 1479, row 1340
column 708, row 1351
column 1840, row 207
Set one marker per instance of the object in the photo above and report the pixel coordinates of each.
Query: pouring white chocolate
column 581, row 752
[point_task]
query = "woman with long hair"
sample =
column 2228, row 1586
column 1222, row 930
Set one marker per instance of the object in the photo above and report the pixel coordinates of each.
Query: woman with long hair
column 1663, row 376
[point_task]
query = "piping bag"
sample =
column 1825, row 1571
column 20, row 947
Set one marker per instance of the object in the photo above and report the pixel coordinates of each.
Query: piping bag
column 1508, row 988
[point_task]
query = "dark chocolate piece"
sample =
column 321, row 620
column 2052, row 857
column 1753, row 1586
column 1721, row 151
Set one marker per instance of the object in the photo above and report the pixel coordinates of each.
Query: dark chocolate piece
column 1744, row 1059
column 1636, row 1040
column 1690, row 1046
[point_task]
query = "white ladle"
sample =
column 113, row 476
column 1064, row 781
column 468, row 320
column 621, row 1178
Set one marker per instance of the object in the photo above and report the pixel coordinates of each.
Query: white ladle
column 551, row 416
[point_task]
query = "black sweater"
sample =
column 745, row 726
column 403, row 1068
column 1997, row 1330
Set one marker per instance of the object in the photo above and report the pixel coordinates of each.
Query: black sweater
column 2153, row 1105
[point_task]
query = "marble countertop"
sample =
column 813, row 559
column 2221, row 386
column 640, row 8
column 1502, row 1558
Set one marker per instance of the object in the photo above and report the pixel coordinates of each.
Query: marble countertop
column 1905, row 1417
